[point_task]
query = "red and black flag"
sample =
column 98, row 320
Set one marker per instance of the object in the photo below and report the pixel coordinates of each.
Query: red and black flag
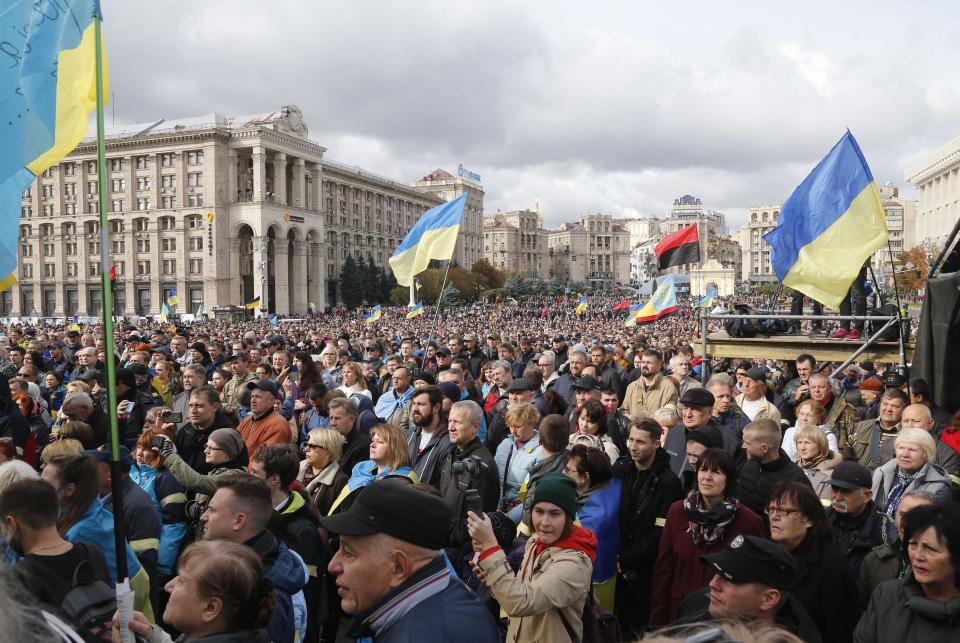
column 683, row 246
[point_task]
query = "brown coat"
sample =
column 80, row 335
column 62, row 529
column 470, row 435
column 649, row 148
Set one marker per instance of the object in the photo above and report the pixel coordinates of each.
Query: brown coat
column 649, row 400
column 271, row 429
column 558, row 580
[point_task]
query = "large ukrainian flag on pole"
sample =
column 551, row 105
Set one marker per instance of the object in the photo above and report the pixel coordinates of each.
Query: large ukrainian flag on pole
column 830, row 226
column 47, row 90
column 434, row 236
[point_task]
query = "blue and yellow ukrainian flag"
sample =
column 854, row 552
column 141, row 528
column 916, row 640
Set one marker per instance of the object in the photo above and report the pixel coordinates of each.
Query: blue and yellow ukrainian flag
column 374, row 315
column 416, row 310
column 707, row 301
column 831, row 224
column 581, row 305
column 164, row 312
column 49, row 88
column 172, row 299
column 434, row 236
column 312, row 309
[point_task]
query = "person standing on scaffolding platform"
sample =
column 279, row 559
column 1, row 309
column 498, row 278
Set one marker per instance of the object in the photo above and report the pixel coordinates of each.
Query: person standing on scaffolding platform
column 848, row 329
column 796, row 308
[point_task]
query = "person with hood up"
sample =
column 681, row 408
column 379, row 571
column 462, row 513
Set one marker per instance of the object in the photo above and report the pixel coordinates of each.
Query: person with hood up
column 226, row 454
column 544, row 600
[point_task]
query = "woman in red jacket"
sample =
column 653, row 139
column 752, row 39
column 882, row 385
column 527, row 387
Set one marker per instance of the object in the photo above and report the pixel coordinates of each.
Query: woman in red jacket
column 703, row 523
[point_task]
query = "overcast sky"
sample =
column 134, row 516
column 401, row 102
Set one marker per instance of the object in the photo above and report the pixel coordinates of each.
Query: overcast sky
column 613, row 107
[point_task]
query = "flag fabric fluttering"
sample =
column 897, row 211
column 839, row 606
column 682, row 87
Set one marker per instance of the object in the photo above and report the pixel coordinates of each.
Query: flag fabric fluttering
column 418, row 283
column 663, row 302
column 374, row 315
column 681, row 247
column 164, row 312
column 581, row 305
column 831, row 224
column 49, row 90
column 200, row 311
column 312, row 309
column 274, row 320
column 434, row 236
column 622, row 305
column 254, row 303
column 113, row 272
column 707, row 301
column 172, row 299
column 416, row 310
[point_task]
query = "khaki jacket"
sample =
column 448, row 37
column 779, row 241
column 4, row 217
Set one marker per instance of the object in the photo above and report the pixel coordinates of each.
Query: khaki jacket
column 649, row 400
column 767, row 409
column 558, row 580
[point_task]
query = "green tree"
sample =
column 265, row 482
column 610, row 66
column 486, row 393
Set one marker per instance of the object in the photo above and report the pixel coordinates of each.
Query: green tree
column 351, row 283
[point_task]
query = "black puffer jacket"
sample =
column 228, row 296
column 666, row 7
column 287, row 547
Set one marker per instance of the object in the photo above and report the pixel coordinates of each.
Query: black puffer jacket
column 758, row 479
column 827, row 590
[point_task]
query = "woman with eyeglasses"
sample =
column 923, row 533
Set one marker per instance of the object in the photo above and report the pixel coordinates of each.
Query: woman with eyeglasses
column 598, row 509
column 225, row 453
column 825, row 586
column 320, row 472
column 705, row 522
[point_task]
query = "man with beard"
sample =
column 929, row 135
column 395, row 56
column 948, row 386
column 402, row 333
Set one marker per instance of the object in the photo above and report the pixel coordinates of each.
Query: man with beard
column 428, row 442
column 194, row 376
column 866, row 444
column 857, row 526
column 652, row 391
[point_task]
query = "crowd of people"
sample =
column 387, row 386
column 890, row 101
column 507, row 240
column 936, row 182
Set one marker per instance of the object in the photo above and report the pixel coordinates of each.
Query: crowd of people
column 517, row 471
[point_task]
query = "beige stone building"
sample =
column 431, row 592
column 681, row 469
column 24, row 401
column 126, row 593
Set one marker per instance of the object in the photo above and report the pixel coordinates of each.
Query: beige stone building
column 220, row 209
column 594, row 251
column 901, row 217
column 937, row 181
column 516, row 242
column 641, row 229
column 756, row 266
column 446, row 187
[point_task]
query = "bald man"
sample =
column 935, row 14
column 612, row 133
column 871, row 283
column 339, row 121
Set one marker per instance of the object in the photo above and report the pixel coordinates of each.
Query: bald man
column 918, row 416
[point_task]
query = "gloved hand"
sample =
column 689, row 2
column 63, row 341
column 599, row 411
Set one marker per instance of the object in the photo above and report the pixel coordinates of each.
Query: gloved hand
column 168, row 448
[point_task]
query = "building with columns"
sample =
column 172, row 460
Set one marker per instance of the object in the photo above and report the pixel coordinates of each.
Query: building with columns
column 594, row 251
column 901, row 215
column 937, row 181
column 715, row 242
column 222, row 209
column 516, row 242
column 446, row 187
column 756, row 266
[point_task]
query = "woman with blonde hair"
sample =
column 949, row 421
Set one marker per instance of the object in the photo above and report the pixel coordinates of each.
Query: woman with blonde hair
column 80, row 431
column 911, row 470
column 517, row 453
column 817, row 460
column 320, row 472
column 62, row 446
column 332, row 373
column 354, row 383
column 389, row 457
column 809, row 413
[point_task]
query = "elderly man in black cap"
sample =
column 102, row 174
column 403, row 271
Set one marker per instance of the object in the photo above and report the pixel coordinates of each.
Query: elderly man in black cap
column 753, row 401
column 857, row 525
column 751, row 582
column 392, row 575
column 696, row 414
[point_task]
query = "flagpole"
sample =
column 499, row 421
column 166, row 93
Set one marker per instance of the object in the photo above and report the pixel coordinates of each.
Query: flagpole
column 436, row 316
column 109, row 350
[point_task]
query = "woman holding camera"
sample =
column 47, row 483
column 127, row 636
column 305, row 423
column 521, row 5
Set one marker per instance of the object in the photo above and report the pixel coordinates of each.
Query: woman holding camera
column 226, row 454
column 544, row 600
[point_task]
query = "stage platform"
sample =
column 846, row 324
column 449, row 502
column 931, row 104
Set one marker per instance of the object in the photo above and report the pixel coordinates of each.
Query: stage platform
column 789, row 346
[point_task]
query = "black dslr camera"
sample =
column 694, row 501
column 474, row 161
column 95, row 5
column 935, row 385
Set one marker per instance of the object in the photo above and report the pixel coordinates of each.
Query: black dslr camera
column 464, row 472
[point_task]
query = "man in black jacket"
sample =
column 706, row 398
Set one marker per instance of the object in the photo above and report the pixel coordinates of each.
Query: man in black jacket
column 649, row 487
column 356, row 446
column 463, row 425
column 857, row 525
column 278, row 465
column 204, row 416
column 766, row 465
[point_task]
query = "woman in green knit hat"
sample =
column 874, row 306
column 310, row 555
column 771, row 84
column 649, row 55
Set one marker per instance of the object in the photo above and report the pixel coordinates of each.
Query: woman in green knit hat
column 544, row 599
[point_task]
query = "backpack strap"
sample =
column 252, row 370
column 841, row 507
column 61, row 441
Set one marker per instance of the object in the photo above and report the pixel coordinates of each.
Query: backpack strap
column 568, row 627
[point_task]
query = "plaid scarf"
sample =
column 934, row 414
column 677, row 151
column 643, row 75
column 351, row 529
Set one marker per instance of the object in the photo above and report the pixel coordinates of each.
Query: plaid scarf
column 896, row 492
column 707, row 525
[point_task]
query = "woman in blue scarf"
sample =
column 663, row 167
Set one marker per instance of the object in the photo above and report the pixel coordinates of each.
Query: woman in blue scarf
column 388, row 458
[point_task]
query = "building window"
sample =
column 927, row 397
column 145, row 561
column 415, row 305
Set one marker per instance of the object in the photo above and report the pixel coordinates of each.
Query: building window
column 26, row 212
column 143, row 183
column 194, row 221
column 141, row 225
column 196, row 266
column 49, row 270
column 93, row 269
column 116, row 205
column 143, row 203
column 169, row 244
column 70, row 248
column 196, row 243
column 143, row 245
column 26, row 250
column 116, row 225
column 71, row 270
column 119, row 185
column 143, row 268
column 93, row 247
column 194, row 200
column 48, row 210
column 195, row 158
column 93, row 207
column 117, row 246
column 70, row 208
column 167, row 223
column 70, row 189
column 92, row 187
column 46, row 191
column 143, row 163
column 168, row 181
column 69, row 169
column 195, row 179
column 169, row 266
column 118, row 165
column 168, row 202
column 121, row 268
column 27, row 270
column 167, row 160
column 91, row 167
